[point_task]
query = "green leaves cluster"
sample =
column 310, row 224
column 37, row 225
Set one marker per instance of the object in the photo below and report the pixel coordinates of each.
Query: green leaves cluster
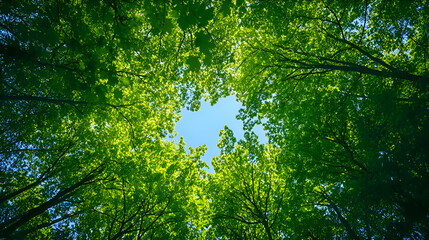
column 346, row 100
column 91, row 90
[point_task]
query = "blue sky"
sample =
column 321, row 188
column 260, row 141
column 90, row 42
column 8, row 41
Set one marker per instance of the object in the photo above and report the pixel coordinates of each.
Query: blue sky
column 202, row 127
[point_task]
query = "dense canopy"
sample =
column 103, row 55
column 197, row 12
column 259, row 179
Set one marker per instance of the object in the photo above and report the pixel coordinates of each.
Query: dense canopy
column 91, row 90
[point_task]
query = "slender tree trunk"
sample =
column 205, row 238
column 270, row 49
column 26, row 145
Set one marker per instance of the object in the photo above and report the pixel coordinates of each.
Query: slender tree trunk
column 369, row 71
column 13, row 224
column 29, row 98
column 267, row 229
column 265, row 224
column 45, row 175
column 19, row 191
column 23, row 234
column 346, row 224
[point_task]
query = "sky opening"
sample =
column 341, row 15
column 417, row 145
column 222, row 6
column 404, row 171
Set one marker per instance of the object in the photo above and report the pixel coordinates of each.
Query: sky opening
column 203, row 126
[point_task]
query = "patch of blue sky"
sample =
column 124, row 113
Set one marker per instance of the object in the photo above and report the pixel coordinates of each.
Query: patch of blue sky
column 203, row 126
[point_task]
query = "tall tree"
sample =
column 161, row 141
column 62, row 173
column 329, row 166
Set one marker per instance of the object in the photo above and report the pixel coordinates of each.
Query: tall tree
column 343, row 87
column 249, row 199
column 94, row 85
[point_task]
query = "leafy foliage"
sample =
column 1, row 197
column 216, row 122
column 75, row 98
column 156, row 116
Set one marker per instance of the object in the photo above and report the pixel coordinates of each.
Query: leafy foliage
column 91, row 90
column 345, row 95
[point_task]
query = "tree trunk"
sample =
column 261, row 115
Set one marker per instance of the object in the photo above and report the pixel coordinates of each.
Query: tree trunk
column 346, row 224
column 13, row 224
column 29, row 98
column 19, row 191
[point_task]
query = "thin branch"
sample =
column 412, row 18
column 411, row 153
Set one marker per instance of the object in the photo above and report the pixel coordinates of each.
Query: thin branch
column 336, row 19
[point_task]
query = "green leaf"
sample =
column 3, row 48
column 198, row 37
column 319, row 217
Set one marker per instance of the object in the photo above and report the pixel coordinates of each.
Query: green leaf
column 194, row 63
column 203, row 41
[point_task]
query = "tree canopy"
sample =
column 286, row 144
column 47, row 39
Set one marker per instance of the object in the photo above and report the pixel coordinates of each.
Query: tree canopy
column 90, row 93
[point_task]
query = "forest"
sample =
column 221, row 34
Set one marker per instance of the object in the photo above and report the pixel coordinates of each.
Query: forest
column 91, row 90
